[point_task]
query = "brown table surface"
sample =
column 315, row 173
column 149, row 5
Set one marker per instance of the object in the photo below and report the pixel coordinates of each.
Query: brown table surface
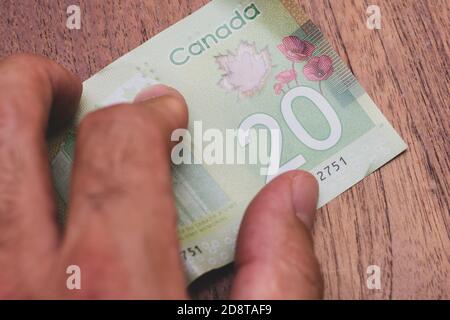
column 397, row 218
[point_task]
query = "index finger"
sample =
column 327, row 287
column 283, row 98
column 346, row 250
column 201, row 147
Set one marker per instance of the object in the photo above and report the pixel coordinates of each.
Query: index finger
column 29, row 87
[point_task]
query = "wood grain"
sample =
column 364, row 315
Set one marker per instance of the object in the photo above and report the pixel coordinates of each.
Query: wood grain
column 397, row 218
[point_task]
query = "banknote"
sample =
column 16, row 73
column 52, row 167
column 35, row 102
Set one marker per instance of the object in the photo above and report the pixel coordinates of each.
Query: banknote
column 241, row 65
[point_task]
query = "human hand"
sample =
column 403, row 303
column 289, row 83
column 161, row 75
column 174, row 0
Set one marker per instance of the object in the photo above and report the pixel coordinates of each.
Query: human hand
column 122, row 222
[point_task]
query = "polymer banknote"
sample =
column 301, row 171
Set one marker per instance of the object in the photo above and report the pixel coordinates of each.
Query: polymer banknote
column 245, row 64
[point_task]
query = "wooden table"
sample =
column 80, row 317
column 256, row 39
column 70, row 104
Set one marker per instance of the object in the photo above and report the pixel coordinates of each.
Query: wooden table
column 397, row 218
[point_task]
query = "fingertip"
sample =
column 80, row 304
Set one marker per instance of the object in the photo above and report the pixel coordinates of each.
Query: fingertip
column 305, row 194
column 156, row 91
column 297, row 190
column 166, row 102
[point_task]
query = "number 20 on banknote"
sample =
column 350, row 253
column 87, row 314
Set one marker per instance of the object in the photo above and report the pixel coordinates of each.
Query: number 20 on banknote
column 276, row 167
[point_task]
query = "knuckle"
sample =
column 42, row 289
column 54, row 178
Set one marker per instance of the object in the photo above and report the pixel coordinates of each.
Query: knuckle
column 22, row 78
column 33, row 66
column 10, row 117
column 125, row 137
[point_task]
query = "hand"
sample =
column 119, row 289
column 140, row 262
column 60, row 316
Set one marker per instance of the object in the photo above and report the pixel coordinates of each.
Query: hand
column 122, row 223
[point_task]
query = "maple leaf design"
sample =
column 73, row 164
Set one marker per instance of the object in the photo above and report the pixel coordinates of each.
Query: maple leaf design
column 246, row 70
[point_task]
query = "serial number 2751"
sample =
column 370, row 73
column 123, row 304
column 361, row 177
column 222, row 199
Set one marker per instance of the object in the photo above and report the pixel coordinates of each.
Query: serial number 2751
column 331, row 169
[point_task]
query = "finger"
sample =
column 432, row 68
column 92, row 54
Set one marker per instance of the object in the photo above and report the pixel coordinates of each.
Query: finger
column 274, row 256
column 123, row 219
column 29, row 86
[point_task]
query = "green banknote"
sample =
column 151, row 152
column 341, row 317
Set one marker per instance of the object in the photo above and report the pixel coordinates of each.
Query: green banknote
column 245, row 65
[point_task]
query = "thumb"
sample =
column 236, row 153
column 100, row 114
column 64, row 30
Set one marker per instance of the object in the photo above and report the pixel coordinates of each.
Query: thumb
column 275, row 255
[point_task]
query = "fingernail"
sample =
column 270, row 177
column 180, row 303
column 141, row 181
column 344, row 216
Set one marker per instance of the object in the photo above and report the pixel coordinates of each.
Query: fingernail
column 304, row 196
column 155, row 91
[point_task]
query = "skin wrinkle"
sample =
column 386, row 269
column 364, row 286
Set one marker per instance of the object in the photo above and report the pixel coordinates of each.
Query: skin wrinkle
column 99, row 195
column 10, row 181
column 112, row 170
column 99, row 199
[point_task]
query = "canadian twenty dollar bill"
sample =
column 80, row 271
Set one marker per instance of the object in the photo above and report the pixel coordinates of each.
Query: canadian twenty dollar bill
column 245, row 64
